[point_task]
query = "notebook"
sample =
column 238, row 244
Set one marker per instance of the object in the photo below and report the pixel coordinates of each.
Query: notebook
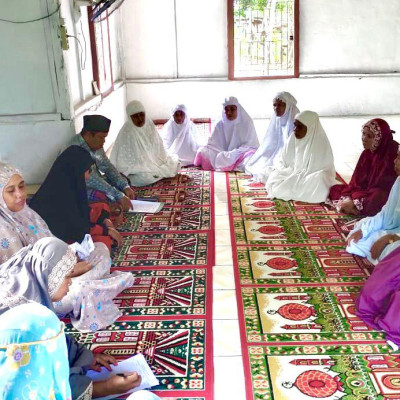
column 151, row 207
column 136, row 363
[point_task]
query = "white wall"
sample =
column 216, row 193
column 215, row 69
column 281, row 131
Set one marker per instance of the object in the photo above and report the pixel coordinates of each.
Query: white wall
column 34, row 98
column 33, row 146
column 26, row 67
column 349, row 58
column 349, row 36
column 158, row 45
column 329, row 96
column 44, row 88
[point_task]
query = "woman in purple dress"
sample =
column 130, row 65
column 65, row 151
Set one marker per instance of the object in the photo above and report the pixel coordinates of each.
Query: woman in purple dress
column 379, row 301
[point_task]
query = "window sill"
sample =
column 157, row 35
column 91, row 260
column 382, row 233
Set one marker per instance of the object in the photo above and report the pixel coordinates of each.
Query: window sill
column 21, row 118
column 95, row 101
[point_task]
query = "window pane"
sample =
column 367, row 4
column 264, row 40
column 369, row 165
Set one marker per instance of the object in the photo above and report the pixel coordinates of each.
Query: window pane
column 264, row 38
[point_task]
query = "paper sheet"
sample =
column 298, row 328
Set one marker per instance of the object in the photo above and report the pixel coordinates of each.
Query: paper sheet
column 151, row 207
column 136, row 363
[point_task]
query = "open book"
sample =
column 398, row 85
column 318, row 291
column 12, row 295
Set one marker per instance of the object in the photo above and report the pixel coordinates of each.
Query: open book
column 136, row 363
column 151, row 207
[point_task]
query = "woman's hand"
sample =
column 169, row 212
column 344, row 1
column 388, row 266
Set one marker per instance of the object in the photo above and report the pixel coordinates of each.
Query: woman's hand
column 348, row 207
column 102, row 360
column 115, row 235
column 355, row 236
column 125, row 203
column 121, row 384
column 130, row 193
column 380, row 244
column 116, row 384
column 80, row 268
column 108, row 223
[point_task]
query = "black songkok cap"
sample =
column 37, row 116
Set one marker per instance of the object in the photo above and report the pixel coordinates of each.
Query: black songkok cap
column 96, row 123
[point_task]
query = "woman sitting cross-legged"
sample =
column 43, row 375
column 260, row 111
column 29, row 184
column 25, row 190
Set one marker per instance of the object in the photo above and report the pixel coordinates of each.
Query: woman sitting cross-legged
column 376, row 237
column 139, row 151
column 374, row 175
column 20, row 226
column 304, row 171
column 379, row 301
column 279, row 130
column 233, row 141
column 179, row 135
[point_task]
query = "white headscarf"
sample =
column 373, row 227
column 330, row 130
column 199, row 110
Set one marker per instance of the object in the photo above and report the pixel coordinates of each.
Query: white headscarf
column 180, row 139
column 229, row 135
column 313, row 152
column 279, row 130
column 305, row 170
column 134, row 107
column 139, row 150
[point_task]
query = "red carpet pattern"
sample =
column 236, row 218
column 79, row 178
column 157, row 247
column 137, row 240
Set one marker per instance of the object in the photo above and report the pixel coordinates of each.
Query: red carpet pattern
column 296, row 289
column 167, row 313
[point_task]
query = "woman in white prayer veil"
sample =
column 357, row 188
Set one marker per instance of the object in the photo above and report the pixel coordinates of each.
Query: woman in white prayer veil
column 179, row 135
column 139, row 152
column 305, row 170
column 278, row 132
column 233, row 141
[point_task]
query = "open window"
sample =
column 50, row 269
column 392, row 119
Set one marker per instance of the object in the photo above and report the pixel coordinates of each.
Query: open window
column 263, row 39
column 99, row 30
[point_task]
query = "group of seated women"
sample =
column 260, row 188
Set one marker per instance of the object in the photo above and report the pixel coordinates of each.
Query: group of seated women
column 56, row 250
column 57, row 253
column 295, row 161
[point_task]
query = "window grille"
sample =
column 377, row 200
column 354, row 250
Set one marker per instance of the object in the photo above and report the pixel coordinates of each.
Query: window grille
column 263, row 38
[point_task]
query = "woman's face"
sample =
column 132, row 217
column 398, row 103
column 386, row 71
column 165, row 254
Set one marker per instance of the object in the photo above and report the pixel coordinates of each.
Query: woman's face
column 14, row 194
column 231, row 112
column 88, row 172
column 279, row 107
column 62, row 290
column 139, row 119
column 367, row 138
column 179, row 117
column 299, row 130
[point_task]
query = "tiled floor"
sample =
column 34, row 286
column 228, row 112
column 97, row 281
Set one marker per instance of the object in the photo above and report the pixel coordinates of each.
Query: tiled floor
column 228, row 367
column 345, row 138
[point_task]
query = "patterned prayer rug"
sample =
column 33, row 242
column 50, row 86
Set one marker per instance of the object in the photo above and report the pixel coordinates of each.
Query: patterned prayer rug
column 175, row 350
column 167, row 313
column 273, row 265
column 170, row 218
column 165, row 292
column 293, row 229
column 165, row 249
column 185, row 196
column 187, row 177
column 296, row 289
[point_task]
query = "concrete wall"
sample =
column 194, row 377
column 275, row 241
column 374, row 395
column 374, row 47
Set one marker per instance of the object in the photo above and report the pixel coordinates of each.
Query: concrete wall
column 349, row 58
column 33, row 146
column 45, row 92
column 25, row 68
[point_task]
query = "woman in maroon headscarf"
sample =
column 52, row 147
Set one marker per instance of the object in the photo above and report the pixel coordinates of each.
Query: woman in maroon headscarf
column 374, row 175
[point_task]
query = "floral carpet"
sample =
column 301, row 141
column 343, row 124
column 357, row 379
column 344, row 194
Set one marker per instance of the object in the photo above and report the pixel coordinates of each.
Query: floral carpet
column 296, row 289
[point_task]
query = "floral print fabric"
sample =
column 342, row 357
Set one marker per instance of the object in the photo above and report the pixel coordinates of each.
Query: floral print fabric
column 33, row 355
